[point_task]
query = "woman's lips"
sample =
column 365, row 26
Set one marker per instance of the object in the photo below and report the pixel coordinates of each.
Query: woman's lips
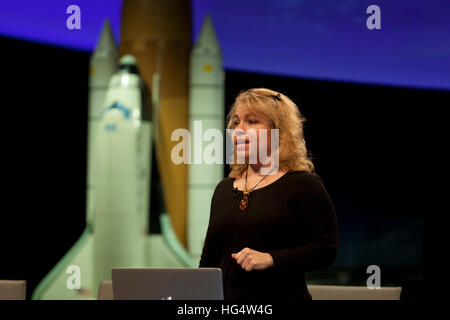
column 241, row 140
column 242, row 145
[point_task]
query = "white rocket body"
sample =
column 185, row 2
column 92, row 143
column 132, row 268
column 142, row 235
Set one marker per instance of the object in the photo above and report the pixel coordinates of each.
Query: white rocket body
column 206, row 104
column 103, row 65
column 122, row 174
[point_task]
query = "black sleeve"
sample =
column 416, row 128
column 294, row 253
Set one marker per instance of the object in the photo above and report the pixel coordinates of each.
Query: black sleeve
column 210, row 257
column 316, row 219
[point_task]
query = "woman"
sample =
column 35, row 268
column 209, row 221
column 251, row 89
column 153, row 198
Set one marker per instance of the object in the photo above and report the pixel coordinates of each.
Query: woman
column 266, row 230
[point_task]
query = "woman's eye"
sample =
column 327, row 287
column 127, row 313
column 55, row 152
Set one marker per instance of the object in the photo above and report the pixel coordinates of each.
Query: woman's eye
column 252, row 121
column 236, row 123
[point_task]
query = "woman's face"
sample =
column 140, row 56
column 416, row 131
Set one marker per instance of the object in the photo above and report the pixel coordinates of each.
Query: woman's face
column 247, row 132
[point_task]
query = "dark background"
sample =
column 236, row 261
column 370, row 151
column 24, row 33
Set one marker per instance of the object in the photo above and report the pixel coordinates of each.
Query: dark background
column 367, row 145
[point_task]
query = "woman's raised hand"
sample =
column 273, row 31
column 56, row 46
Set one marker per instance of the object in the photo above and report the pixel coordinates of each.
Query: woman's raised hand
column 250, row 259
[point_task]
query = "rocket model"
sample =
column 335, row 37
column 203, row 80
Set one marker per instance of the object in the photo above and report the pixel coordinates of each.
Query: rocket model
column 103, row 64
column 123, row 129
column 120, row 144
column 206, row 111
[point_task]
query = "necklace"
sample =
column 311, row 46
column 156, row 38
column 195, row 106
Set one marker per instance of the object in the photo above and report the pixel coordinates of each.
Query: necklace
column 243, row 205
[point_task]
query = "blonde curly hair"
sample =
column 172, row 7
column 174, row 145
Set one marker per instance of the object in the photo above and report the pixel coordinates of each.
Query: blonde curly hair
column 283, row 114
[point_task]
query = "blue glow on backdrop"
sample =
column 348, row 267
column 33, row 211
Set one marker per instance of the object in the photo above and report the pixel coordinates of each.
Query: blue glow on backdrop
column 45, row 21
column 326, row 39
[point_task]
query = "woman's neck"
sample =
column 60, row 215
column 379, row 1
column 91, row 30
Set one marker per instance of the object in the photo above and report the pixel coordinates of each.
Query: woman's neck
column 256, row 169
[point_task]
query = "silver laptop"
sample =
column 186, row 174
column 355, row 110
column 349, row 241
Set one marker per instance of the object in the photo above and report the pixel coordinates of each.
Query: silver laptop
column 167, row 284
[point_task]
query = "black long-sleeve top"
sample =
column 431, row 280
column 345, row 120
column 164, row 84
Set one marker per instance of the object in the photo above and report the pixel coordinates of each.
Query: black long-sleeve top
column 293, row 219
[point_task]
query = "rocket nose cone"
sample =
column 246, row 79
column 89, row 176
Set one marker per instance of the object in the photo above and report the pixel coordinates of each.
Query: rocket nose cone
column 106, row 40
column 207, row 39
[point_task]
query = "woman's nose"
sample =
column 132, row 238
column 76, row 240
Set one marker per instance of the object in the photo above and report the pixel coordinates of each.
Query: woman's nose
column 240, row 130
column 241, row 127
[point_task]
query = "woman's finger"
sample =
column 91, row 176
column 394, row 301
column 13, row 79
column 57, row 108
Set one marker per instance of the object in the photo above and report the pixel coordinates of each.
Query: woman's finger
column 242, row 258
column 237, row 255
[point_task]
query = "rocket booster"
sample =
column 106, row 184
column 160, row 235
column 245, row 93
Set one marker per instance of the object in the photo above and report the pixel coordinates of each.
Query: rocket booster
column 206, row 107
column 103, row 64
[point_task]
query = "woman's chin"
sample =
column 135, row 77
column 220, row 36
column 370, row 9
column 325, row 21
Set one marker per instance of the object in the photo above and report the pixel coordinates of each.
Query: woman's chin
column 244, row 154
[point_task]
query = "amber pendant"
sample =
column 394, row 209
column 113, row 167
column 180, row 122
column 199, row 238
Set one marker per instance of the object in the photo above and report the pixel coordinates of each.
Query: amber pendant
column 243, row 205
